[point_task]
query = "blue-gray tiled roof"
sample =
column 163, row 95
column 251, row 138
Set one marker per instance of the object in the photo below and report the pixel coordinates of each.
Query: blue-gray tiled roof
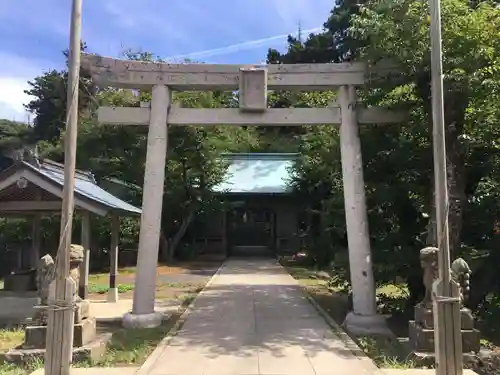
column 85, row 186
column 257, row 173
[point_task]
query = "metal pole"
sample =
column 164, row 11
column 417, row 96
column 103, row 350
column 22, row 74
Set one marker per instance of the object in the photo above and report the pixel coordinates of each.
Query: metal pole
column 446, row 308
column 61, row 316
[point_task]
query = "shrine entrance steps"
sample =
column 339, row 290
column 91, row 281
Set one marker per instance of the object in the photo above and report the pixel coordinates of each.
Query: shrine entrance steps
column 251, row 252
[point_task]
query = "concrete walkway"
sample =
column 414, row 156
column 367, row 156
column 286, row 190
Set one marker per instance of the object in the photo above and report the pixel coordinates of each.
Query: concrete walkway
column 254, row 319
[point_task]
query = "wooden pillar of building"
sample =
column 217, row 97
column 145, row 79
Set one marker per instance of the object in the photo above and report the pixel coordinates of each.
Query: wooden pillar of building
column 36, row 240
column 113, row 258
column 83, row 285
column 36, row 235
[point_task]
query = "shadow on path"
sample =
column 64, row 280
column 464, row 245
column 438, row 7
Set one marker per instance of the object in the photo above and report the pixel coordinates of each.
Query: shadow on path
column 254, row 319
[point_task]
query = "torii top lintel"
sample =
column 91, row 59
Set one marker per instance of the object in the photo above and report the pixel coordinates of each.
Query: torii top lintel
column 303, row 77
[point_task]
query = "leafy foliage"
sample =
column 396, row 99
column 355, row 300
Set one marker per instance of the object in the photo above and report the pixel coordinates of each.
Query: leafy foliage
column 399, row 31
column 13, row 135
column 398, row 158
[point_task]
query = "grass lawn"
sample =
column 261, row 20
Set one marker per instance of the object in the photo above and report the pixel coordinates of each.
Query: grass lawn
column 335, row 301
column 7, row 369
column 99, row 282
column 131, row 347
column 11, row 338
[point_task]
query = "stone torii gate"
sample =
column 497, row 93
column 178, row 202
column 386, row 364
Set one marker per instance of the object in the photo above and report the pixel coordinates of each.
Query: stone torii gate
column 252, row 81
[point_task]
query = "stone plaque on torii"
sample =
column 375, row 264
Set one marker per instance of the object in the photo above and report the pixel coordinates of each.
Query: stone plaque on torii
column 252, row 82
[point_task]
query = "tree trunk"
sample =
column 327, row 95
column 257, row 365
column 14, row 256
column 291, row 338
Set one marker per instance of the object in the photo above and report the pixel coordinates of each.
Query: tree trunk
column 456, row 203
column 164, row 248
column 174, row 242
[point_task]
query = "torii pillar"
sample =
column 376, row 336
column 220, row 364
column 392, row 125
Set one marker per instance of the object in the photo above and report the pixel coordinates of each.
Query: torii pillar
column 143, row 313
column 364, row 318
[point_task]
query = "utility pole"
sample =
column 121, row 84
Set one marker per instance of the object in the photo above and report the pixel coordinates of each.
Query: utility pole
column 59, row 344
column 447, row 335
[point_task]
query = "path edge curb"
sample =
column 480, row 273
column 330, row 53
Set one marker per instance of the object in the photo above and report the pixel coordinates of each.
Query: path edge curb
column 155, row 355
column 338, row 330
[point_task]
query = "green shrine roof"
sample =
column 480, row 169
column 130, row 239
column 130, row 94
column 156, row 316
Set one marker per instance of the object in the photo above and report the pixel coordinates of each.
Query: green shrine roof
column 257, row 173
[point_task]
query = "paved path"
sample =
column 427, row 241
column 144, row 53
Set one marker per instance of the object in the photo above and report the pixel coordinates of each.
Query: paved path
column 254, row 319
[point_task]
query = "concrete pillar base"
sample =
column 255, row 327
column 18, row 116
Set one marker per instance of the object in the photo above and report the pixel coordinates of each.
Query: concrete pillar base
column 112, row 295
column 131, row 320
column 361, row 325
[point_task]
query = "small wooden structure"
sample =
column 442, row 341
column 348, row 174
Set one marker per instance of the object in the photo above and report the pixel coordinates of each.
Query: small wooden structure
column 33, row 187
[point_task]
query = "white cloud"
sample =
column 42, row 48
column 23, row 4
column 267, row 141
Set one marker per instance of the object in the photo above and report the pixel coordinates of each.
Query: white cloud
column 12, row 98
column 247, row 45
column 15, row 72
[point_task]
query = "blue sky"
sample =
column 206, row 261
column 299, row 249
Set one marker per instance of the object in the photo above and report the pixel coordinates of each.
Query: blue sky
column 33, row 33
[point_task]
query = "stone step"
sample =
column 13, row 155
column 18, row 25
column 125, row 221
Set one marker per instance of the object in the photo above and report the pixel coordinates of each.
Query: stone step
column 251, row 251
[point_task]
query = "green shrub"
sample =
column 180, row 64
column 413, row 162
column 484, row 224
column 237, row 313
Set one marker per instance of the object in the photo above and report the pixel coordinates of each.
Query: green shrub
column 103, row 289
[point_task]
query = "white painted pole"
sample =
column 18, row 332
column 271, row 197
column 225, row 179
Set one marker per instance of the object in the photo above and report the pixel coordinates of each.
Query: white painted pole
column 113, row 259
column 363, row 319
column 85, row 266
column 59, row 342
column 143, row 313
column 448, row 341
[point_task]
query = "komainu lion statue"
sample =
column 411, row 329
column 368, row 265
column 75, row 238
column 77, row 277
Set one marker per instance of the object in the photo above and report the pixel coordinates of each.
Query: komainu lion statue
column 460, row 273
column 46, row 274
column 44, row 277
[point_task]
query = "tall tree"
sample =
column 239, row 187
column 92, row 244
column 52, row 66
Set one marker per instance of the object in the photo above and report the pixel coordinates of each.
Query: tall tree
column 49, row 103
column 398, row 30
column 333, row 45
column 13, row 135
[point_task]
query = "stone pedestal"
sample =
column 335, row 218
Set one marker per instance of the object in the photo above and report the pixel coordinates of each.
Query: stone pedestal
column 84, row 333
column 421, row 331
column 87, row 345
column 84, row 329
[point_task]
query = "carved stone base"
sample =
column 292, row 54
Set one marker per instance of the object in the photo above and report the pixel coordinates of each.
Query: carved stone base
column 425, row 318
column 422, row 339
column 84, row 332
column 360, row 325
column 131, row 320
